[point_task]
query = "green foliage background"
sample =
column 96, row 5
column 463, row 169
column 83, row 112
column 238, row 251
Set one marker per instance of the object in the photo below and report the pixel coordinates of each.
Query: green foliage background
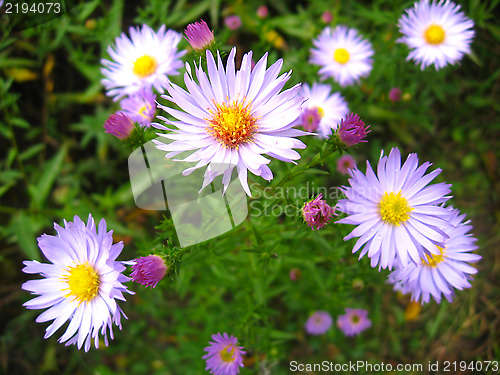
column 57, row 162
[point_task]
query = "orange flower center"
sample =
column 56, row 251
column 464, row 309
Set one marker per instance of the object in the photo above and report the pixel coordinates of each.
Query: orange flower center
column 232, row 124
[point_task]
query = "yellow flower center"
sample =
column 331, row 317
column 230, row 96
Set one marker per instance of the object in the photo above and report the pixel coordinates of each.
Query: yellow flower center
column 232, row 124
column 83, row 282
column 434, row 34
column 227, row 356
column 143, row 109
column 145, row 66
column 321, row 112
column 394, row 208
column 355, row 319
column 433, row 260
column 341, row 55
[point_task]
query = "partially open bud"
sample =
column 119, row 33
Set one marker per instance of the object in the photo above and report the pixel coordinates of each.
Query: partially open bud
column 352, row 130
column 149, row 270
column 199, row 35
column 317, row 213
column 119, row 125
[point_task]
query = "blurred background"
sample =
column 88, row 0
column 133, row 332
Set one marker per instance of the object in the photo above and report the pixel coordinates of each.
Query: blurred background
column 57, row 162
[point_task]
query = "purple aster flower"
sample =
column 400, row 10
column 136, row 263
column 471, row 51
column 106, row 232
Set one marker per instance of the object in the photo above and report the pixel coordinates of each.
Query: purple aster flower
column 119, row 125
column 145, row 59
column 322, row 111
column 199, row 35
column 317, row 213
column 439, row 274
column 233, row 22
column 354, row 321
column 233, row 117
column 352, row 130
column 82, row 283
column 396, row 212
column 140, row 106
column 223, row 356
column 437, row 33
column 343, row 54
column 395, row 94
column 318, row 323
column 149, row 270
column 345, row 162
column 310, row 119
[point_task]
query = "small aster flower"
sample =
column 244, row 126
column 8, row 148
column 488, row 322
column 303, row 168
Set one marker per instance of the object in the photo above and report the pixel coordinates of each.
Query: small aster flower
column 321, row 112
column 352, row 130
column 199, row 35
column 354, row 321
column 396, row 212
column 233, row 22
column 82, row 283
column 223, row 356
column 342, row 54
column 440, row 274
column 233, row 119
column 119, row 125
column 345, row 162
column 148, row 270
column 317, row 213
column 146, row 59
column 140, row 106
column 262, row 11
column 436, row 33
column 318, row 323
column 395, row 94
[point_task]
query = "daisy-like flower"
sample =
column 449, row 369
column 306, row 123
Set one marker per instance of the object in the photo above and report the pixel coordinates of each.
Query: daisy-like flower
column 345, row 162
column 146, row 59
column 81, row 285
column 354, row 321
column 317, row 213
column 140, row 106
column 439, row 274
column 119, row 125
column 436, row 33
column 223, row 356
column 199, row 35
column 233, row 119
column 342, row 54
column 321, row 112
column 396, row 213
column 149, row 270
column 318, row 323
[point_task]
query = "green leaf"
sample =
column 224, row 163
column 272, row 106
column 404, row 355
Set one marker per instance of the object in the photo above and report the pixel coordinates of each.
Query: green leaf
column 24, row 232
column 40, row 191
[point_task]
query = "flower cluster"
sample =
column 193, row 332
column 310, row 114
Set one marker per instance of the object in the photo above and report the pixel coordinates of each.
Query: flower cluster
column 352, row 323
column 229, row 120
column 401, row 221
column 141, row 63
